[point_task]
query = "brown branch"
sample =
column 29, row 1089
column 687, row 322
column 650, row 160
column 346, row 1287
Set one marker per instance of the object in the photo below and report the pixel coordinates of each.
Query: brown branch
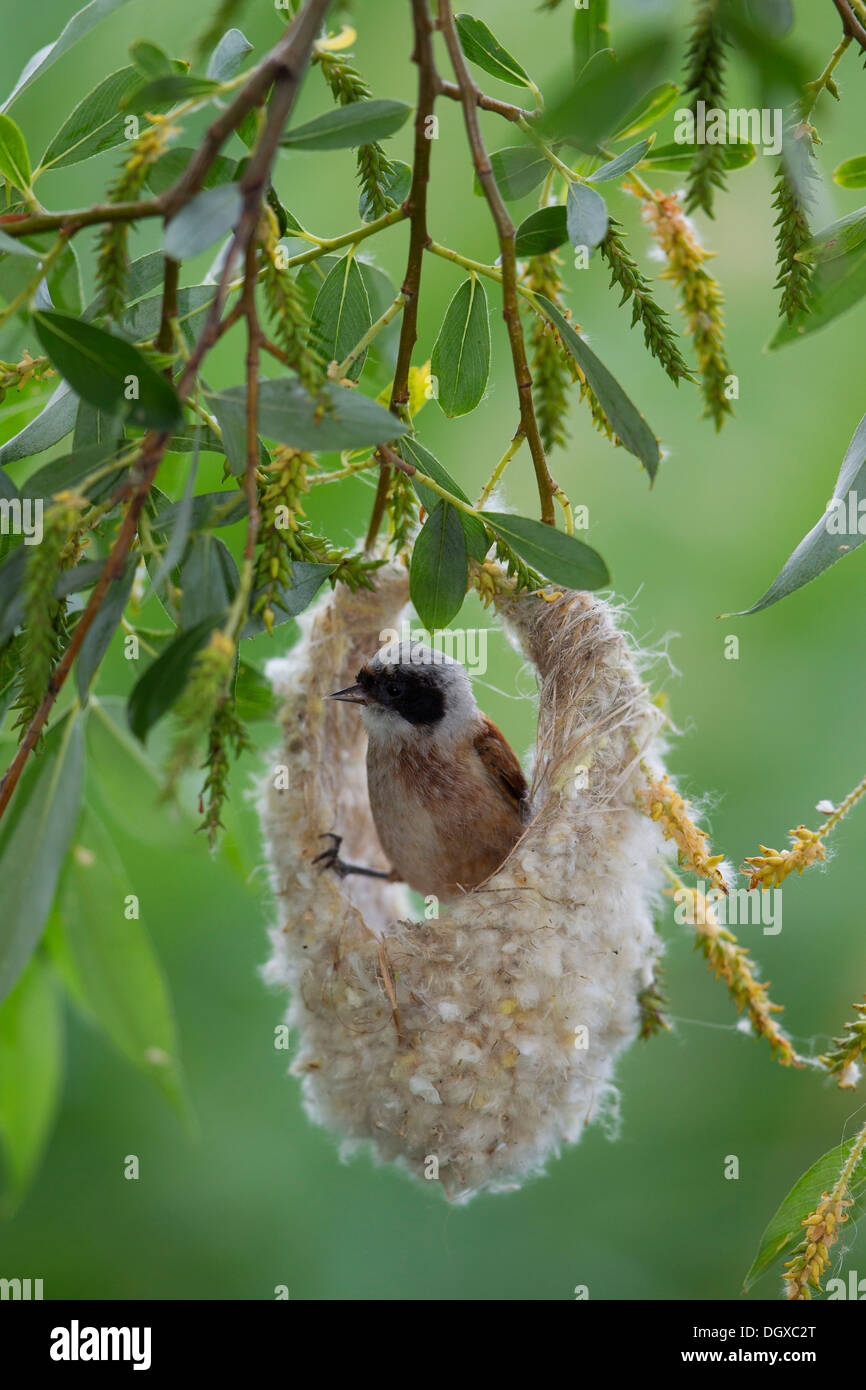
column 501, row 108
column 415, row 207
column 285, row 67
column 505, row 231
column 164, row 340
column 850, row 23
column 254, row 342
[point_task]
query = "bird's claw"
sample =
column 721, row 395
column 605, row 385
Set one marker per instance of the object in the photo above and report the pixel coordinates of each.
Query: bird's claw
column 330, row 857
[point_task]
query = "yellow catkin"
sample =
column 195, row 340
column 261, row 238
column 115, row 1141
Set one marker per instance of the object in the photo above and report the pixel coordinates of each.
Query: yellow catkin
column 811, row 1258
column 663, row 803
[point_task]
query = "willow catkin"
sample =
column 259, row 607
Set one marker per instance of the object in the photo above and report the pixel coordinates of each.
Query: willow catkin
column 470, row 1046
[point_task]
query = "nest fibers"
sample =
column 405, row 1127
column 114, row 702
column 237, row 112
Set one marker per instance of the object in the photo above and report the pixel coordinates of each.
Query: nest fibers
column 467, row 1047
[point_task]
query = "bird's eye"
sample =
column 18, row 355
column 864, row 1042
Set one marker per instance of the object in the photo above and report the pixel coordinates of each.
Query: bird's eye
column 393, row 689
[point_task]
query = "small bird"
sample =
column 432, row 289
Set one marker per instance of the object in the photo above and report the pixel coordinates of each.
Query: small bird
column 448, row 797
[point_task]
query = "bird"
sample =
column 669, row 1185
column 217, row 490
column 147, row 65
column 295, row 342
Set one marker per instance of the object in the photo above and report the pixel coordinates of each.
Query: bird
column 447, row 794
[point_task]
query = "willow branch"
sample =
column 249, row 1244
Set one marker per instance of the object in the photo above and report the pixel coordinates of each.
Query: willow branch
column 501, row 108
column 505, row 232
column 850, row 24
column 415, row 207
column 284, row 67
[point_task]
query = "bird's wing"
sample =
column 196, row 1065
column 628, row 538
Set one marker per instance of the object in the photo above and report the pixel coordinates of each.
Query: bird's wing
column 501, row 763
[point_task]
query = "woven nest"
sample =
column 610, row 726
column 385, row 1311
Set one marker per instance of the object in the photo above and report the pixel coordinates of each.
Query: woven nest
column 467, row 1047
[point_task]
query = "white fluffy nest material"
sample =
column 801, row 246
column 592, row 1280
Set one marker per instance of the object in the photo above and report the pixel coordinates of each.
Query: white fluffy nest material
column 484, row 1067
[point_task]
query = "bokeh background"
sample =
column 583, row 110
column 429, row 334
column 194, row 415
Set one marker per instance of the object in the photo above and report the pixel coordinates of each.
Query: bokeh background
column 253, row 1196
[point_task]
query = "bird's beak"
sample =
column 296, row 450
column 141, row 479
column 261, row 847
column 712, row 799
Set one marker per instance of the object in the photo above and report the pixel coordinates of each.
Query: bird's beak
column 355, row 694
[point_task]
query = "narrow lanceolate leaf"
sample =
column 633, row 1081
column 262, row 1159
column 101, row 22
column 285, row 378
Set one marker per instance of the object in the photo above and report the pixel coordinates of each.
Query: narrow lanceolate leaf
column 542, row 231
column 107, row 371
column 208, row 579
column 477, row 540
column 785, row 1230
column 678, row 159
column 835, row 286
column 168, row 90
column 31, row 1042
column 517, row 169
column 157, row 689
column 228, row 55
column 559, row 557
column 356, row 123
column 836, row 240
column 168, row 169
column 80, row 24
column 615, row 168
column 605, row 93
column 105, row 957
column 34, row 838
column 628, row 424
column 438, row 573
column 590, row 32
column 96, row 124
column 460, row 363
column 840, row 530
column 484, row 49
column 14, row 160
column 585, row 216
column 341, row 315
column 102, row 629
column 15, row 246
column 54, row 420
column 648, row 110
column 851, row 173
column 205, row 219
column 290, row 415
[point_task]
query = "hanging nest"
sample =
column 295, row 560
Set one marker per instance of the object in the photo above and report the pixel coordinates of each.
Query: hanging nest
column 470, row 1046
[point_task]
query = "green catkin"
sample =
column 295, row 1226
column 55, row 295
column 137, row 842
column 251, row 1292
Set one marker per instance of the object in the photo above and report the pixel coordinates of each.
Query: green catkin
column 705, row 81
column 551, row 373
column 653, row 1005
column 287, row 308
column 227, row 739
column 375, row 169
column 847, row 1051
column 659, row 337
column 206, row 690
column 112, row 255
column 791, row 203
column 45, row 618
column 402, row 509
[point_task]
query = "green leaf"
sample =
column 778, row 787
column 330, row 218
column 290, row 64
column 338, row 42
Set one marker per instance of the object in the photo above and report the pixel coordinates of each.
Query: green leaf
column 629, row 425
column 678, row 159
column 228, row 55
column 559, row 557
column 590, row 32
column 477, row 540
column 16, row 246
column 395, row 186
column 356, row 123
column 14, row 160
column 102, row 629
column 341, row 315
column 208, row 579
column 142, row 277
column 585, row 216
column 460, row 362
column 254, row 694
column 289, row 415
column 168, row 169
column 80, row 24
column 167, row 91
column 54, row 421
column 124, row 785
column 141, row 322
column 106, row 370
column 61, row 289
column 836, row 534
column 785, row 1230
column 657, row 103
column 542, row 231
column 69, row 471
column 438, row 573
column 291, row 599
column 840, row 237
column 108, row 962
column 96, row 124
column 34, row 837
column 851, row 173
column 836, row 287
column 517, row 169
column 149, row 59
column 206, row 218
column 615, row 168
column 157, row 689
column 484, row 49
column 31, row 1046
column 599, row 101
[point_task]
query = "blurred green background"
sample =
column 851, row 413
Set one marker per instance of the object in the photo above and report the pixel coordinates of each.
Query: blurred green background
column 256, row 1197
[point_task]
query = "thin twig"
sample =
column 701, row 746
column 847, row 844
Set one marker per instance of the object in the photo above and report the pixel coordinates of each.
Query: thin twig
column 415, row 207
column 850, row 24
column 505, row 231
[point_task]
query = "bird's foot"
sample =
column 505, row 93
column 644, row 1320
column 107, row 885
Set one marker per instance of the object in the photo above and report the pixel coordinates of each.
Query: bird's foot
column 330, row 859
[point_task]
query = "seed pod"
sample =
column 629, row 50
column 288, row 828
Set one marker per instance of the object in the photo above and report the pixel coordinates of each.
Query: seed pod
column 483, row 1038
